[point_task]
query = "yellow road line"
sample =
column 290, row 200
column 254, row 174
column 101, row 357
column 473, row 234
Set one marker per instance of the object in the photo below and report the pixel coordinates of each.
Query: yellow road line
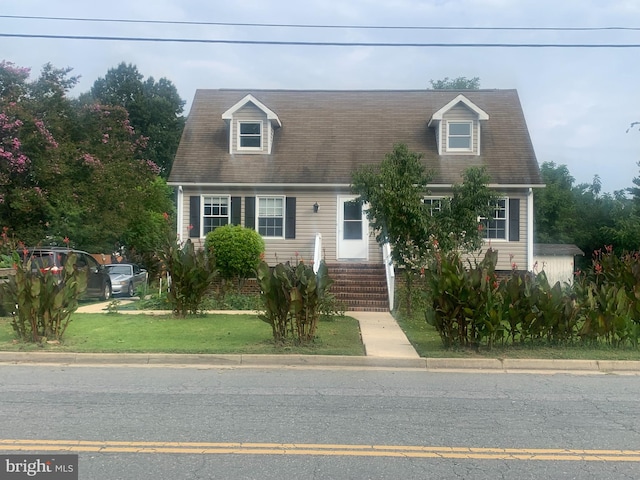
column 249, row 448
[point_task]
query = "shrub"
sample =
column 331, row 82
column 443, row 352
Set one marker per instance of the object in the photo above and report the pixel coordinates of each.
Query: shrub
column 42, row 302
column 192, row 271
column 237, row 250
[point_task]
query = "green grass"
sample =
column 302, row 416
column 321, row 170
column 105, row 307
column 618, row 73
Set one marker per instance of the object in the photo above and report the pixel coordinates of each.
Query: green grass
column 426, row 341
column 221, row 334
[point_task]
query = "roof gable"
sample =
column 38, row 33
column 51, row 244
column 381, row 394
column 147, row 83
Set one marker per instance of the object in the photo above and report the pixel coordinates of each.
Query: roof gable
column 482, row 115
column 228, row 115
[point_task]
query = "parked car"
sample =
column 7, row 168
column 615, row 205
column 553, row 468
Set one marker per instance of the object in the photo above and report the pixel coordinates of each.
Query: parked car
column 126, row 277
column 53, row 259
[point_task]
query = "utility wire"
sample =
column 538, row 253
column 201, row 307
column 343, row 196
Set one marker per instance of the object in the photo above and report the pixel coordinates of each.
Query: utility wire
column 296, row 25
column 323, row 44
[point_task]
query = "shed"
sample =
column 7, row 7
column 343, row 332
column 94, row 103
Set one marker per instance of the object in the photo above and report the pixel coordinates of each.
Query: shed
column 556, row 260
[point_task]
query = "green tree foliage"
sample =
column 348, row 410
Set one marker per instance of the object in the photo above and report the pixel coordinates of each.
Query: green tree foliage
column 238, row 251
column 581, row 214
column 394, row 193
column 155, row 109
column 456, row 225
column 74, row 171
column 459, row 83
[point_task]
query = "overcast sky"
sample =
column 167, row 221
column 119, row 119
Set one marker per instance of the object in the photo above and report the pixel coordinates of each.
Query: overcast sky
column 579, row 102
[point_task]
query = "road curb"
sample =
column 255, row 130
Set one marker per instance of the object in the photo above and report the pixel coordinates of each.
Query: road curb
column 253, row 360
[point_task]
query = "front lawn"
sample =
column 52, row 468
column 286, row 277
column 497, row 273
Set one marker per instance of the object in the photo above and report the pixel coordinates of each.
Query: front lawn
column 221, row 334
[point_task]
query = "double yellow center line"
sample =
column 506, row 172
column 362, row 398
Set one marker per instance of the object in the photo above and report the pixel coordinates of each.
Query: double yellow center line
column 408, row 451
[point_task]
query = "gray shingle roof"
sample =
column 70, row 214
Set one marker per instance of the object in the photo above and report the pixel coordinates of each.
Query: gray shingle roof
column 325, row 135
column 556, row 249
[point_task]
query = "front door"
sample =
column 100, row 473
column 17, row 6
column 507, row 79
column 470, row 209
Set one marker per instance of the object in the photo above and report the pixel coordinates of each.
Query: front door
column 353, row 229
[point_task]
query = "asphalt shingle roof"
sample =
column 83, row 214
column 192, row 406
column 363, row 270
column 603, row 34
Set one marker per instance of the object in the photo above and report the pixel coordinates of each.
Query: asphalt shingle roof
column 325, row 135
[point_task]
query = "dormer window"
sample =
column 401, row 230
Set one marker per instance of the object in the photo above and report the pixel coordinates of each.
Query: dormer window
column 252, row 126
column 459, row 136
column 457, row 127
column 249, row 135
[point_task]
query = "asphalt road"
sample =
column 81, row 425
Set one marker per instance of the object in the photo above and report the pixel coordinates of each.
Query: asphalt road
column 198, row 423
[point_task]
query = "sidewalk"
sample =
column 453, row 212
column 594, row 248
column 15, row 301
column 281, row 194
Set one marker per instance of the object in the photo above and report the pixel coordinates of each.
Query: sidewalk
column 386, row 346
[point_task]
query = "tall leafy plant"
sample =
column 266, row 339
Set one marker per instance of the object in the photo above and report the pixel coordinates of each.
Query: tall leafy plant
column 293, row 299
column 42, row 301
column 192, row 271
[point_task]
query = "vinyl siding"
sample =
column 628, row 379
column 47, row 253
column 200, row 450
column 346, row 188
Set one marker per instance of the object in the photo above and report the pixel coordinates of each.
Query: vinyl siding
column 558, row 268
column 308, row 224
column 460, row 113
column 324, row 222
column 510, row 252
column 250, row 113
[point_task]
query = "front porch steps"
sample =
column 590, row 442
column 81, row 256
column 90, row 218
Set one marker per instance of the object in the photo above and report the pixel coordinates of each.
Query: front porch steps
column 361, row 287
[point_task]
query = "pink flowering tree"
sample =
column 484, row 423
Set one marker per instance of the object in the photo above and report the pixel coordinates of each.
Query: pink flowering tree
column 72, row 170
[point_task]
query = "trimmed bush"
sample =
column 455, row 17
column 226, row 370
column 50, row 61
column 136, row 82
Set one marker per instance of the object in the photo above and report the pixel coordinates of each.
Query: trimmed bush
column 237, row 250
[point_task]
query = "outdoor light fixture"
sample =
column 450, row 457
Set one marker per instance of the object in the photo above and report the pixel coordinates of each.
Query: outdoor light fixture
column 315, row 207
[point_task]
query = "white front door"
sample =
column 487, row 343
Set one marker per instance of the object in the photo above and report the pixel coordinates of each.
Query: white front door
column 353, row 229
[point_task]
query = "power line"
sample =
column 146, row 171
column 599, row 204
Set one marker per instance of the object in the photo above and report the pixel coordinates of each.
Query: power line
column 297, row 25
column 322, row 44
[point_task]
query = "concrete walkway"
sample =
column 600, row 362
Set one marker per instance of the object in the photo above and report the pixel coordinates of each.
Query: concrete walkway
column 381, row 335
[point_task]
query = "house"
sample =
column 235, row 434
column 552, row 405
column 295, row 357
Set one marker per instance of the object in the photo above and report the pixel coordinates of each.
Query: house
column 556, row 260
column 280, row 161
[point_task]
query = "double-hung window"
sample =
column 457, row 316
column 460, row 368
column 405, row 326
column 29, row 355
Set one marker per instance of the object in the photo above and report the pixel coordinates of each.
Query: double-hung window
column 249, row 135
column 459, row 136
column 497, row 227
column 271, row 216
column 215, row 212
column 433, row 204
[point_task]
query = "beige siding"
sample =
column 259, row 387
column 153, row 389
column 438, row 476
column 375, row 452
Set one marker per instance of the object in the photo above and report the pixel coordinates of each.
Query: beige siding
column 510, row 252
column 253, row 114
column 308, row 224
column 460, row 113
column 558, row 268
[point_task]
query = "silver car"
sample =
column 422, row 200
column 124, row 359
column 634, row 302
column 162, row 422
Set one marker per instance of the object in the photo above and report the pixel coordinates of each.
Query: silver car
column 126, row 277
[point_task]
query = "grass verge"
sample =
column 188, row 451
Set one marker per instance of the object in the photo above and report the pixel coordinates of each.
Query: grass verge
column 220, row 334
column 426, row 341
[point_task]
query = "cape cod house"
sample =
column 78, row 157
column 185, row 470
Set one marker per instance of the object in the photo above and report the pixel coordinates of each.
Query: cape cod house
column 280, row 161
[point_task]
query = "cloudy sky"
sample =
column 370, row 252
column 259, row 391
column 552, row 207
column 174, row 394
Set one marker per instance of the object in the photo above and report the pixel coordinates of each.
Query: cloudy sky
column 579, row 102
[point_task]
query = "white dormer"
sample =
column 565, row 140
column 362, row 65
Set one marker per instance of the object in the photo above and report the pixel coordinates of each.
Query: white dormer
column 457, row 127
column 251, row 126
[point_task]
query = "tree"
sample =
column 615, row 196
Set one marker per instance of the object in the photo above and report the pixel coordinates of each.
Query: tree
column 394, row 192
column 155, row 109
column 73, row 171
column 459, row 83
column 554, row 217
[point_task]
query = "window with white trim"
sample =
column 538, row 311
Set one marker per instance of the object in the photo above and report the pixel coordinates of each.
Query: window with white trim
column 433, row 204
column 249, row 135
column 215, row 212
column 496, row 229
column 459, row 136
column 270, row 216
